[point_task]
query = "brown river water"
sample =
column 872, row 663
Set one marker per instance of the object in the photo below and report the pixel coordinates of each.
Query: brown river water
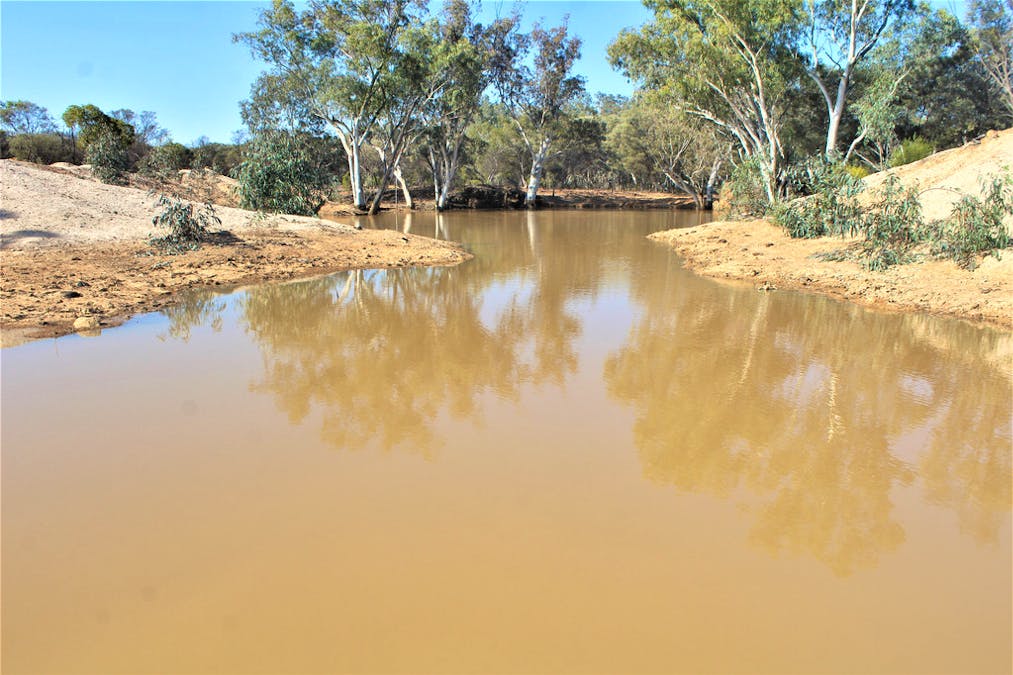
column 566, row 455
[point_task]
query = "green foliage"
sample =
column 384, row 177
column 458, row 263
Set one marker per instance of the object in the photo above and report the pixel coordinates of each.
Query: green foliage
column 992, row 33
column 726, row 61
column 976, row 225
column 91, row 124
column 166, row 159
column 893, row 226
column 911, row 150
column 221, row 158
column 747, row 191
column 831, row 207
column 108, row 156
column 280, row 174
column 25, row 117
column 40, row 148
column 188, row 224
column 857, row 172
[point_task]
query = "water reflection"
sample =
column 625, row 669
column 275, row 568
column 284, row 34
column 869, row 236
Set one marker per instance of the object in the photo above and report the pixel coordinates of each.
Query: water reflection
column 812, row 412
column 197, row 308
column 818, row 411
column 382, row 354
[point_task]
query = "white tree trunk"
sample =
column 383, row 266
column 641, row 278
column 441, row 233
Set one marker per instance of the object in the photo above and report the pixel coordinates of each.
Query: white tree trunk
column 409, row 202
column 537, row 167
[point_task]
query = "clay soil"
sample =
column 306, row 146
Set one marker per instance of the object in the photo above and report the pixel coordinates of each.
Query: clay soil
column 73, row 248
column 760, row 253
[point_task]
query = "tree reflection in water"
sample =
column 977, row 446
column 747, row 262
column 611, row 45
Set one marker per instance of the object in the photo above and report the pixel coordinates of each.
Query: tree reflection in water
column 815, row 408
column 201, row 307
column 382, row 354
column 814, row 412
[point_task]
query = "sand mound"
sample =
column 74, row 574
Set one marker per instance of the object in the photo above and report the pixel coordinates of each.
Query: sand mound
column 945, row 176
column 766, row 256
column 39, row 206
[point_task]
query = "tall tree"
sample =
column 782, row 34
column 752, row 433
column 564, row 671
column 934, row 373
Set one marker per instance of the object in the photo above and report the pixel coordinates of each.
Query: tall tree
column 840, row 34
column 538, row 98
column 25, row 117
column 335, row 61
column 725, row 61
column 992, row 27
column 467, row 51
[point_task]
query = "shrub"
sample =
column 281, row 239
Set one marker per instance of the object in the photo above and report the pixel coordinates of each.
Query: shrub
column 40, row 148
column 911, row 150
column 168, row 158
column 893, row 226
column 745, row 185
column 188, row 224
column 857, row 172
column 832, row 205
column 108, row 157
column 975, row 225
column 280, row 175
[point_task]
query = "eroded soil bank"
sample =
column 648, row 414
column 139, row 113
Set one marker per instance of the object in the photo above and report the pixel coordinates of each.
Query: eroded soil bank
column 72, row 248
column 762, row 254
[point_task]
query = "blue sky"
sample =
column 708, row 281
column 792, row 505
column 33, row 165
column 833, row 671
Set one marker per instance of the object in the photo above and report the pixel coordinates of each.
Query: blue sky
column 177, row 58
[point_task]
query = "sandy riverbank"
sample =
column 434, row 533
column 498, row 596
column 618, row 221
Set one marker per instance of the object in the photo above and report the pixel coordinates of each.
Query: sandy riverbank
column 72, row 248
column 760, row 253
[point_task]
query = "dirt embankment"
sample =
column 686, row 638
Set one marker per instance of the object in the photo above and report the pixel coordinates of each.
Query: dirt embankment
column 73, row 249
column 762, row 254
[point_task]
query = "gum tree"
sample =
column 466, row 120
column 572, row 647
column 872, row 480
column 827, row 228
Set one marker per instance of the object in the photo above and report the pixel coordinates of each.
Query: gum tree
column 992, row 27
column 537, row 98
column 839, row 35
column 728, row 62
column 334, row 62
column 466, row 55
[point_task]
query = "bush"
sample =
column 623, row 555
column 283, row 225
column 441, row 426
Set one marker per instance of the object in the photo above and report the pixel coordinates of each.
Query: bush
column 40, row 148
column 975, row 225
column 188, row 224
column 168, row 158
column 893, row 226
column 857, row 172
column 748, row 196
column 911, row 150
column 832, row 205
column 108, row 157
column 280, row 175
column 218, row 157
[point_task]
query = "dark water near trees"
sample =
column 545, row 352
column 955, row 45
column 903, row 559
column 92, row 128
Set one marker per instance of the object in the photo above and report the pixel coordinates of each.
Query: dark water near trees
column 566, row 455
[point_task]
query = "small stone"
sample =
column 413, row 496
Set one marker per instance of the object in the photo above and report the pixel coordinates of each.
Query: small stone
column 71, row 294
column 82, row 323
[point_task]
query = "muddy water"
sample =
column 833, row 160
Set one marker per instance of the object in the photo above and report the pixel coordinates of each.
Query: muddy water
column 566, row 455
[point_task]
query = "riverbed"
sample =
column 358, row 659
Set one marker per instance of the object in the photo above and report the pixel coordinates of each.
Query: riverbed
column 567, row 454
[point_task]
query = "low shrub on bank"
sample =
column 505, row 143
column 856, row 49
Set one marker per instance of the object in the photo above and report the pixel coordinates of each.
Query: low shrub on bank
column 108, row 157
column 188, row 224
column 911, row 150
column 975, row 225
column 892, row 227
column 47, row 148
column 830, row 207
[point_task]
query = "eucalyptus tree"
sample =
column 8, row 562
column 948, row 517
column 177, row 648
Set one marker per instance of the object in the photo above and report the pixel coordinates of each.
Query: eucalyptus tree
column 336, row 61
column 839, row 35
column 465, row 58
column 25, row 117
column 415, row 79
column 537, row 98
column 728, row 62
column 992, row 26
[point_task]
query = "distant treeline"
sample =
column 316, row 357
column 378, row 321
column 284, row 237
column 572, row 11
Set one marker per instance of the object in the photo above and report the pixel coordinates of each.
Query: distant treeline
column 361, row 94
